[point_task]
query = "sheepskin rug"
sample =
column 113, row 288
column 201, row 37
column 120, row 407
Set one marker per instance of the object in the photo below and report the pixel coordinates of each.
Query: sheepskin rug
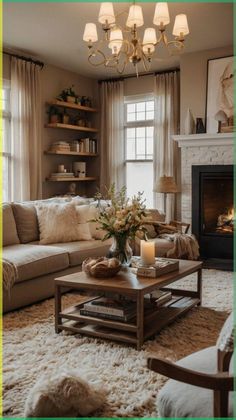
column 32, row 349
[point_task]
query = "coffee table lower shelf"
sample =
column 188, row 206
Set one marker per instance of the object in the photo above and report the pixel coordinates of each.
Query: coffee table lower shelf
column 154, row 321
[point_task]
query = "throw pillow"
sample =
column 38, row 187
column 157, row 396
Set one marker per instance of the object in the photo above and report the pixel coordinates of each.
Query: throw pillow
column 26, row 222
column 59, row 223
column 63, row 395
column 87, row 213
column 10, row 236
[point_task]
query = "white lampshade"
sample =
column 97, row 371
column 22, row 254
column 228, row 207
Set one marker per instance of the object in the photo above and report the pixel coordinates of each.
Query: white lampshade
column 106, row 13
column 181, row 25
column 161, row 15
column 135, row 16
column 116, row 40
column 148, row 49
column 149, row 40
column 90, row 33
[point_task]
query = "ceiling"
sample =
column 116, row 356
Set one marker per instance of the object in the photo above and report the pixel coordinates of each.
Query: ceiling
column 52, row 32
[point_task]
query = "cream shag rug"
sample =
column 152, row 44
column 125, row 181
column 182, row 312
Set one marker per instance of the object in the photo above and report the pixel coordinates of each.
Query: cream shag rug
column 31, row 348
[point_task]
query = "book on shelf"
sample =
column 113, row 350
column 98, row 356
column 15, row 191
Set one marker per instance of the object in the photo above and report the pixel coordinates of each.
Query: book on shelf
column 160, row 297
column 160, row 267
column 121, row 318
column 110, row 306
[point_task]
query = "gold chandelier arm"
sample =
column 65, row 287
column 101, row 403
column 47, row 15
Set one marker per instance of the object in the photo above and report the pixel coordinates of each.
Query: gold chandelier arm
column 94, row 54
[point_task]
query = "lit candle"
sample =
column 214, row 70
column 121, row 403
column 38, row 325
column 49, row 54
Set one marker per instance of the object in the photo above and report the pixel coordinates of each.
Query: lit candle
column 147, row 252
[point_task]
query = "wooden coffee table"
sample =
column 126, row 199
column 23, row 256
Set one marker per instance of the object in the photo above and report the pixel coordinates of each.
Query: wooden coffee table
column 126, row 283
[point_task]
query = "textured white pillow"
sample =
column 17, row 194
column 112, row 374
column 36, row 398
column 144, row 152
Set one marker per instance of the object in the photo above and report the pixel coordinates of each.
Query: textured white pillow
column 59, row 223
column 89, row 212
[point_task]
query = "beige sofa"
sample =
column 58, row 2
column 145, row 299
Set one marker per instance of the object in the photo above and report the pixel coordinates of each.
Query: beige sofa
column 38, row 265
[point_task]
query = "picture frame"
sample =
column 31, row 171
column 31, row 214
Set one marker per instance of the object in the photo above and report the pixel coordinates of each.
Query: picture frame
column 219, row 97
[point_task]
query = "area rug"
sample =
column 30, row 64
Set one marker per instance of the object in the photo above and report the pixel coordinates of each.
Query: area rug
column 31, row 348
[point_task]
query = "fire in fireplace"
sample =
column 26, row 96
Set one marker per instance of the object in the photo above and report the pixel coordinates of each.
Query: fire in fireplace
column 213, row 211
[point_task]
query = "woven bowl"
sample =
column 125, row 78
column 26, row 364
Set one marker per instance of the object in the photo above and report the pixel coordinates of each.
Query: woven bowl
column 101, row 267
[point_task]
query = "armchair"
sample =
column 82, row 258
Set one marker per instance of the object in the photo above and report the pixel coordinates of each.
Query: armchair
column 201, row 383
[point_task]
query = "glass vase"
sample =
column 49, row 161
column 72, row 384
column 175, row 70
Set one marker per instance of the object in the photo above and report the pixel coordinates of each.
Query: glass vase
column 121, row 250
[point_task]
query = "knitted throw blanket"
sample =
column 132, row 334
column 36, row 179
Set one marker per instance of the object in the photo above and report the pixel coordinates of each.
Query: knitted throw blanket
column 184, row 246
column 9, row 274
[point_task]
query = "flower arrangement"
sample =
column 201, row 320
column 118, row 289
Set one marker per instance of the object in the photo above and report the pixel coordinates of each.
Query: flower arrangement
column 122, row 219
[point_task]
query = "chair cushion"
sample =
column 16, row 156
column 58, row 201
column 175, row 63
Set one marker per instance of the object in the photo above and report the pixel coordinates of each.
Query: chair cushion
column 26, row 222
column 36, row 260
column 80, row 250
column 10, row 236
column 177, row 399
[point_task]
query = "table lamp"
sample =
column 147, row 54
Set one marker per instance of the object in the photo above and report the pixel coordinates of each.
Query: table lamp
column 166, row 185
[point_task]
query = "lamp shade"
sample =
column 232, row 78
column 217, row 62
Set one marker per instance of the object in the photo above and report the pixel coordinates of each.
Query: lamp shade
column 116, row 39
column 181, row 25
column 166, row 184
column 90, row 33
column 149, row 36
column 106, row 14
column 135, row 16
column 161, row 15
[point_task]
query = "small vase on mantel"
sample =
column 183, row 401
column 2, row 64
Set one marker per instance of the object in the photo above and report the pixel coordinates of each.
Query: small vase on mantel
column 200, row 126
column 189, row 124
column 121, row 250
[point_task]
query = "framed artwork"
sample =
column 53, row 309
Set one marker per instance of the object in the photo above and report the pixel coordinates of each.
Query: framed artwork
column 220, row 95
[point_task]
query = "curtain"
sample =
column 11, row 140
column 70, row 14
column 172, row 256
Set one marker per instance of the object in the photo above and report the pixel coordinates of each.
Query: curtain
column 26, row 182
column 112, row 134
column 166, row 124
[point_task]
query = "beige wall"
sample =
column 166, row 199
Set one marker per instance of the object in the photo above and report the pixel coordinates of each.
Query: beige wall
column 193, row 79
column 138, row 86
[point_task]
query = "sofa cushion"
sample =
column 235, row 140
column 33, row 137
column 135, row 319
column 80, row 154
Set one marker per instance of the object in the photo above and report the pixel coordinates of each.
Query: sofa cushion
column 79, row 251
column 179, row 400
column 26, row 222
column 36, row 260
column 10, row 236
column 157, row 215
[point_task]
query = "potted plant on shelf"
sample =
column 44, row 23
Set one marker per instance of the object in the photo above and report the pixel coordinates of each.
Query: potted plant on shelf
column 65, row 117
column 67, row 95
column 54, row 115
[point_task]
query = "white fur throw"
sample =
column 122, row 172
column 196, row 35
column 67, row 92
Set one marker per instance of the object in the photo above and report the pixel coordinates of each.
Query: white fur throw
column 59, row 223
column 63, row 395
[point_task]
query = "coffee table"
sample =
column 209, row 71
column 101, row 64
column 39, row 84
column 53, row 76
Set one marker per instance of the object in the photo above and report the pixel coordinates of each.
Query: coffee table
column 126, row 283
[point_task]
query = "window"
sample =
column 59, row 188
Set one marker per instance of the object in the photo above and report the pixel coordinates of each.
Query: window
column 139, row 116
column 6, row 142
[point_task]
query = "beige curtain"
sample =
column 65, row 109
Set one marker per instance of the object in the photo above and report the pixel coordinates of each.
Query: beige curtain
column 112, row 134
column 166, row 123
column 26, row 182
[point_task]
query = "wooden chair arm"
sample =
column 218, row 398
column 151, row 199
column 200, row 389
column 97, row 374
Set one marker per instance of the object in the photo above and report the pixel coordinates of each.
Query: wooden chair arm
column 217, row 382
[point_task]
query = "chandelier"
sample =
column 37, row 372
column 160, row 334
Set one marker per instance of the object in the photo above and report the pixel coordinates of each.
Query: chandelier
column 120, row 46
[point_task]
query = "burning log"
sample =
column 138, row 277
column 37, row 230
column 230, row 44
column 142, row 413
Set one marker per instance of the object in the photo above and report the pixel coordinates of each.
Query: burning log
column 225, row 222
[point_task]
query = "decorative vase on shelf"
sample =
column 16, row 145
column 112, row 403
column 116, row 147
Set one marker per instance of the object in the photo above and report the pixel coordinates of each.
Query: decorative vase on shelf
column 200, row 126
column 189, row 124
column 121, row 250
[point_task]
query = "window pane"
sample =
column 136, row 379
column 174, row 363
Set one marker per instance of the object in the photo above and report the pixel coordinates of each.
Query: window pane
column 131, row 133
column 139, row 176
column 141, row 106
column 150, row 115
column 149, row 145
column 140, row 116
column 130, row 149
column 140, row 131
column 130, row 108
column 141, row 148
column 149, row 131
column 150, row 106
column 131, row 117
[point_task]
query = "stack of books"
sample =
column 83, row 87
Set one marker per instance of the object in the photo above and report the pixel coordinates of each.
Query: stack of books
column 88, row 145
column 60, row 146
column 159, row 297
column 61, row 175
column 107, row 308
column 160, row 267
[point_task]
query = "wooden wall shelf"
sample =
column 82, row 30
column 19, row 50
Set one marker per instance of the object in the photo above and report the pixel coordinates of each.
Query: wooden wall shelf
column 71, row 106
column 72, row 127
column 49, row 152
column 72, row 179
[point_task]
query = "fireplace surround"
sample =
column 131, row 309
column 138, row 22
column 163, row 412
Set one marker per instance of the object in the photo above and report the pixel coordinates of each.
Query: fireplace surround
column 212, row 213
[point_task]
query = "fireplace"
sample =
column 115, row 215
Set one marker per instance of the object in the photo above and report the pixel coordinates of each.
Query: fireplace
column 213, row 213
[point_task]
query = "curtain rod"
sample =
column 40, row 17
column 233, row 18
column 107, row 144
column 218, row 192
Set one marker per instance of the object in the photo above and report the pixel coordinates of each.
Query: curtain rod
column 130, row 76
column 21, row 57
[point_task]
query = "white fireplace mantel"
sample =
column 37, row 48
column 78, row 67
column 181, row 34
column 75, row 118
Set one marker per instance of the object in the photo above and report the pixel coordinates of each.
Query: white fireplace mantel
column 196, row 140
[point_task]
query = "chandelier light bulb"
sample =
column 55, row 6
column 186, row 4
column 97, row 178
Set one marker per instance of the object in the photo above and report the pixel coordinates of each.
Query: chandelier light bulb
column 90, row 33
column 135, row 16
column 116, row 40
column 181, row 26
column 106, row 14
column 161, row 15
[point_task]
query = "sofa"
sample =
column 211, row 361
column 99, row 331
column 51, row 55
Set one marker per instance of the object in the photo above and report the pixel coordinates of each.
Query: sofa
column 38, row 264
